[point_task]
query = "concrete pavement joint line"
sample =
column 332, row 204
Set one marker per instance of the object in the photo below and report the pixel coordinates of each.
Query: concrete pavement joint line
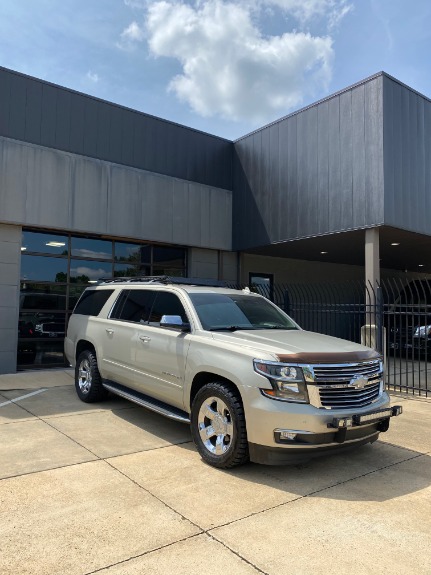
column 143, row 554
column 155, row 497
column 313, row 493
column 236, row 553
column 406, row 448
column 49, row 469
column 16, row 399
column 170, row 545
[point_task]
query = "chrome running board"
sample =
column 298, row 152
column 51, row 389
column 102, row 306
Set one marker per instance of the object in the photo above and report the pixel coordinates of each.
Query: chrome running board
column 147, row 402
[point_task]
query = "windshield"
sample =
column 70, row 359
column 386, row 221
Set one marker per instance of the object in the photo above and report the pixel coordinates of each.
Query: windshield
column 232, row 312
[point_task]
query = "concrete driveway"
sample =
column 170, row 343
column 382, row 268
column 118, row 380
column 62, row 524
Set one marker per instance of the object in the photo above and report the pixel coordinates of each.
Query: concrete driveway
column 115, row 489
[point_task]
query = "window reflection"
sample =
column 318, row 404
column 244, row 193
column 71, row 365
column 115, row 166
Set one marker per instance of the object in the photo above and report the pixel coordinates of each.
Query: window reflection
column 85, row 271
column 89, row 248
column 52, row 283
column 46, row 243
column 126, row 271
column 128, row 252
column 42, row 268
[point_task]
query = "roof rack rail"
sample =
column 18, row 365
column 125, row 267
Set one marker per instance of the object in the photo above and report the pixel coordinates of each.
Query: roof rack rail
column 166, row 280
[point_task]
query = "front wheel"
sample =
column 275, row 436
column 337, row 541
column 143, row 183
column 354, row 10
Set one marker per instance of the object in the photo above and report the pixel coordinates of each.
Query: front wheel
column 218, row 426
column 88, row 383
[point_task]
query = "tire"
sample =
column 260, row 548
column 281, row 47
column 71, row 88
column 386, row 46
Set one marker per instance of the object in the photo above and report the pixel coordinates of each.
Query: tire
column 88, row 382
column 218, row 426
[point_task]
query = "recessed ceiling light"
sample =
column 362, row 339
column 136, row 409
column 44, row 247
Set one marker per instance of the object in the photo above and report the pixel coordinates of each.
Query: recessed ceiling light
column 395, row 243
column 323, row 252
column 55, row 244
column 420, row 265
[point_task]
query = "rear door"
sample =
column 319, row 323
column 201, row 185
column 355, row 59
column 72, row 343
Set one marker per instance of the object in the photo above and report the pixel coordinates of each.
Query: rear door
column 120, row 333
column 161, row 353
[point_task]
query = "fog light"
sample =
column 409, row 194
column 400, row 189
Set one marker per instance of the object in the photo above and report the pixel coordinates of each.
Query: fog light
column 288, row 435
column 341, row 422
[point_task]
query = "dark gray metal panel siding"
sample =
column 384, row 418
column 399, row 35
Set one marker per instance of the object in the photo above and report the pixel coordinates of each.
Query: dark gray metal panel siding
column 407, row 158
column 51, row 116
column 311, row 184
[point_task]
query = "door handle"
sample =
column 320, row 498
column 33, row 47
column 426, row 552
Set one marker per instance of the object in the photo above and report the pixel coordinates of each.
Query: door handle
column 145, row 338
column 109, row 331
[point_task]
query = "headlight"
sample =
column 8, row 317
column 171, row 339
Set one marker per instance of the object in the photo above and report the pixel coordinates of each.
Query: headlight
column 287, row 381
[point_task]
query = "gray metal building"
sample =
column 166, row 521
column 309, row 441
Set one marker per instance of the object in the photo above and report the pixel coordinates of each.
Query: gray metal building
column 89, row 188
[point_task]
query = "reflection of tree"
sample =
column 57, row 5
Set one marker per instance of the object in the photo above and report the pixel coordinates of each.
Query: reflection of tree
column 126, row 272
column 61, row 277
column 80, row 279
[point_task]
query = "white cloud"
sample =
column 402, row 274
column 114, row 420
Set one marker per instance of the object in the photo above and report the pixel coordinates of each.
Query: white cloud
column 92, row 76
column 230, row 68
column 305, row 10
column 130, row 36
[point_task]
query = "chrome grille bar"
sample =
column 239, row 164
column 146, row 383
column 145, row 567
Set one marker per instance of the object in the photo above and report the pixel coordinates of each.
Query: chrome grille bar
column 334, row 387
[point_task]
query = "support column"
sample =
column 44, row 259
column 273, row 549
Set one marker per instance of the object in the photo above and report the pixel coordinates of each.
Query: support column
column 10, row 266
column 372, row 260
column 371, row 332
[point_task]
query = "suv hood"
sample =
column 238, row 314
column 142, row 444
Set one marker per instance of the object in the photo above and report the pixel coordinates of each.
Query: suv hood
column 298, row 345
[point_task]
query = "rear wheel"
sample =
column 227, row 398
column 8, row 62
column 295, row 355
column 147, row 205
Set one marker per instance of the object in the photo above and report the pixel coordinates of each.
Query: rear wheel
column 218, row 426
column 88, row 383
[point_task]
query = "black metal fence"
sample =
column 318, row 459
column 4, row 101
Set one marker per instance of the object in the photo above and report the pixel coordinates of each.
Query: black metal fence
column 395, row 319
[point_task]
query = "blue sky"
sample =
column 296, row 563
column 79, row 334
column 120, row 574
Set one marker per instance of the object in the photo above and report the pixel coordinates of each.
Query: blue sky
column 222, row 67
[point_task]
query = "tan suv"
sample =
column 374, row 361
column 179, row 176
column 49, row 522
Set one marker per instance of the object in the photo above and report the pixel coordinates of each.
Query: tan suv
column 250, row 382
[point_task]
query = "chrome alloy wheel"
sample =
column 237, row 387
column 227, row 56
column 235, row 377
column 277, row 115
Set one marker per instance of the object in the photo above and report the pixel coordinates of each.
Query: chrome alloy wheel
column 215, row 426
column 84, row 376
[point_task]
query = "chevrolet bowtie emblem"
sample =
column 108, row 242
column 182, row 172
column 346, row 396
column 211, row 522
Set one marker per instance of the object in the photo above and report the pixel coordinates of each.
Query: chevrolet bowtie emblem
column 359, row 382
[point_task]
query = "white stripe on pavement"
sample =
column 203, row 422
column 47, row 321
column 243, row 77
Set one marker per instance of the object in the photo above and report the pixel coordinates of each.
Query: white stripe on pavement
column 23, row 397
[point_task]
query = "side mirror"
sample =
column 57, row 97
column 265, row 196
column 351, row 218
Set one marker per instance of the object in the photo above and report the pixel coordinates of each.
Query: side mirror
column 174, row 322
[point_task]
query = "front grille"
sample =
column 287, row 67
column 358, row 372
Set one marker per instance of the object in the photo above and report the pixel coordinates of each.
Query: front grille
column 337, row 389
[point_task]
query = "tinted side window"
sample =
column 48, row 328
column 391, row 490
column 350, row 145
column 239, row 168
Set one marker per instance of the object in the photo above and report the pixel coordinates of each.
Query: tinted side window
column 136, row 307
column 167, row 304
column 92, row 301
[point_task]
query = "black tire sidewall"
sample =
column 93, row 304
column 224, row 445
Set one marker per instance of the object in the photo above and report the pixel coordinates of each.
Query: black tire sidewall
column 97, row 392
column 238, row 450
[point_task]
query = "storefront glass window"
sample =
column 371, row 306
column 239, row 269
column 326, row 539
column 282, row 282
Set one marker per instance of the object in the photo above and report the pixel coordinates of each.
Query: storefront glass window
column 55, row 270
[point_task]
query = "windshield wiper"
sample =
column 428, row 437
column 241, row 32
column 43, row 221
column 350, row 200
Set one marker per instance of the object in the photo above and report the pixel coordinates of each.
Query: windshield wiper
column 230, row 328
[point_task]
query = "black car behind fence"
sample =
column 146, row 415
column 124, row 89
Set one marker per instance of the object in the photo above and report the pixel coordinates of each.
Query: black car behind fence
column 395, row 319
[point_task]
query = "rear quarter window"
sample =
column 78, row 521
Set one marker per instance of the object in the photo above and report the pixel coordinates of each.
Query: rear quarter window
column 92, row 301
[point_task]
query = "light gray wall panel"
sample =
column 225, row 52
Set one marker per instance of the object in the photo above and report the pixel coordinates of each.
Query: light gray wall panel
column 48, row 187
column 120, row 182
column 180, row 205
column 52, row 189
column 407, row 157
column 156, row 196
column 88, row 195
column 322, row 190
column 13, row 181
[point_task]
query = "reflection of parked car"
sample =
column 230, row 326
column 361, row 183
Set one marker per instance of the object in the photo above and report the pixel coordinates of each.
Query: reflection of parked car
column 408, row 319
column 39, row 318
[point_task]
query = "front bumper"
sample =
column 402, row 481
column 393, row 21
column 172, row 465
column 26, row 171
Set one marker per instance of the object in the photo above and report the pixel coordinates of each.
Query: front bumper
column 307, row 446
